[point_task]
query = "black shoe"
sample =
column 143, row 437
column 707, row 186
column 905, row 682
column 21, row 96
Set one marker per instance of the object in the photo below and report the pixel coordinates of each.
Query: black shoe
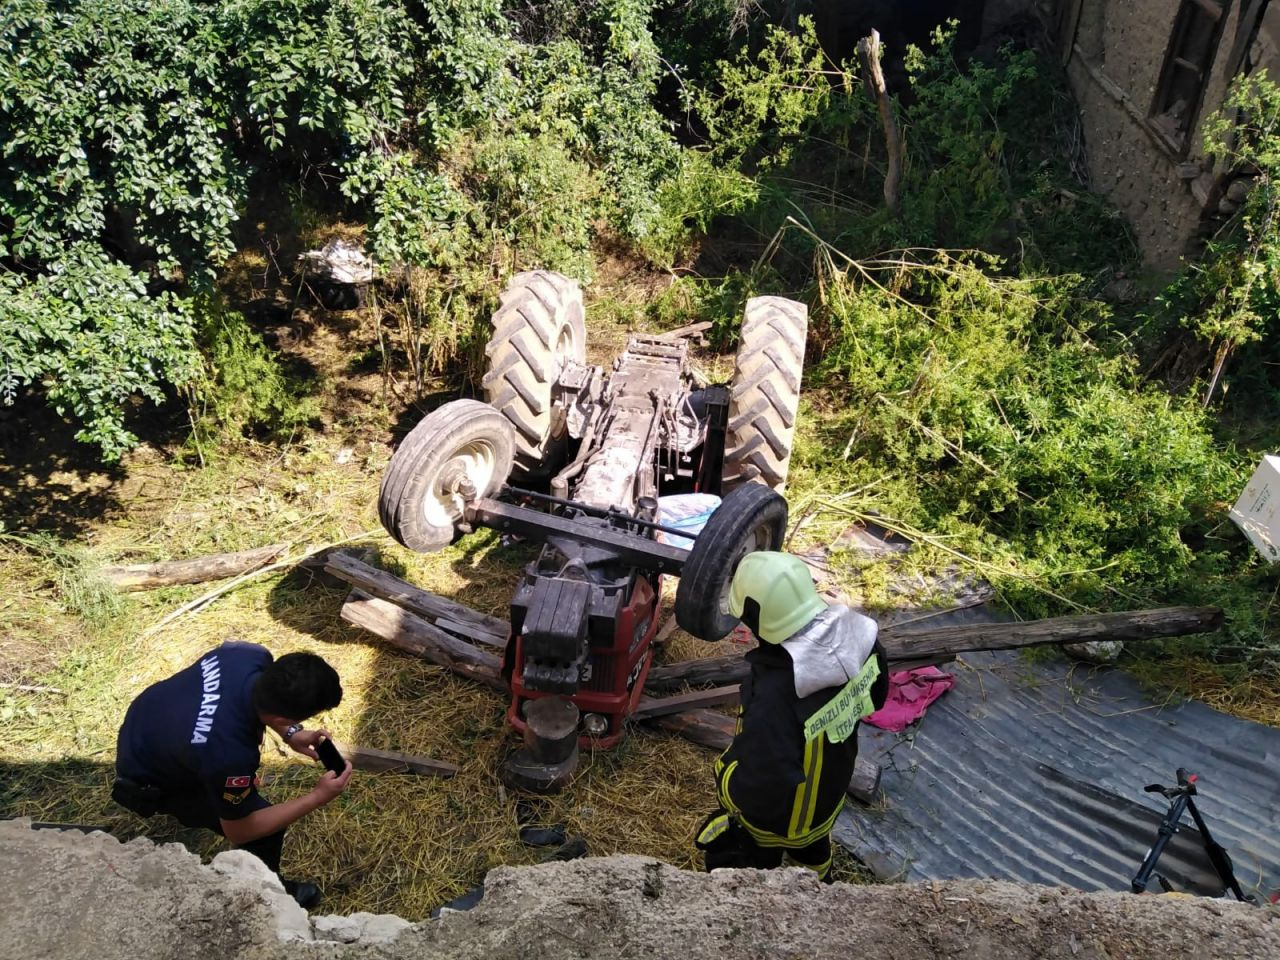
column 307, row 895
column 571, row 849
column 542, row 836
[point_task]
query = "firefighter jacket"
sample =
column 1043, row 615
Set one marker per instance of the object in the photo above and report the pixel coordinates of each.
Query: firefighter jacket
column 785, row 774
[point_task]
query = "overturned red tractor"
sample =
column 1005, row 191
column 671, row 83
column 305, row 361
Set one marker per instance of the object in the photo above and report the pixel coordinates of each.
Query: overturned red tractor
column 578, row 457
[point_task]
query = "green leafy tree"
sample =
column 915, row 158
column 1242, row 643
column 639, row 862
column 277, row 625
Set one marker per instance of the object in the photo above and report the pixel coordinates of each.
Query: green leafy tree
column 130, row 130
column 1231, row 298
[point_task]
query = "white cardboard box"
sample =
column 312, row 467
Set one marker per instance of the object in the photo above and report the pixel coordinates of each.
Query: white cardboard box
column 1257, row 512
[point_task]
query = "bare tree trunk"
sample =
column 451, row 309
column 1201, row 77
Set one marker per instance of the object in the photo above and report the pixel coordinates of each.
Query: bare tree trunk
column 869, row 52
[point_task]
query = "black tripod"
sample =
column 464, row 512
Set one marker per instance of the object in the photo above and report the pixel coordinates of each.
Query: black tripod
column 1180, row 801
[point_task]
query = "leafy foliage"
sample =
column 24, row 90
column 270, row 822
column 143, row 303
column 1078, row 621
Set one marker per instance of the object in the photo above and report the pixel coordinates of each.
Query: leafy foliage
column 89, row 333
column 1008, row 424
column 1230, row 299
column 113, row 117
column 241, row 384
column 130, row 130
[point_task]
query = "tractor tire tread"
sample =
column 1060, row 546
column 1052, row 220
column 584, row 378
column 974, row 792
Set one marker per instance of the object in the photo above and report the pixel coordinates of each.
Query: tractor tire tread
column 765, row 392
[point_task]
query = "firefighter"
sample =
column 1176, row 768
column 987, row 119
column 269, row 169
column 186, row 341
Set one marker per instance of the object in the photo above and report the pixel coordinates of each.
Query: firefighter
column 817, row 672
column 190, row 746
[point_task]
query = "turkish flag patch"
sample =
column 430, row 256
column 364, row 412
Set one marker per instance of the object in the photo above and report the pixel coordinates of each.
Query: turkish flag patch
column 238, row 782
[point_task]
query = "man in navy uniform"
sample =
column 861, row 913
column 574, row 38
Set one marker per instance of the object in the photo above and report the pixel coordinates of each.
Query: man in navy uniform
column 818, row 670
column 190, row 746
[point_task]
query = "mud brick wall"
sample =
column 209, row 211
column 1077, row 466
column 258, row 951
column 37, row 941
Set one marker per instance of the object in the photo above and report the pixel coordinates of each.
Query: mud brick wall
column 1115, row 66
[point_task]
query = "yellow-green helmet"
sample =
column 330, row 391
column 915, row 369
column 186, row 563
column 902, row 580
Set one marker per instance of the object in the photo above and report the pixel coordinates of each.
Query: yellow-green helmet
column 781, row 587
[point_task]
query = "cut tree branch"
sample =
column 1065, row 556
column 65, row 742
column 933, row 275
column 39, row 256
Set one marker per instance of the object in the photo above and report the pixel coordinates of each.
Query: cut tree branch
column 218, row 566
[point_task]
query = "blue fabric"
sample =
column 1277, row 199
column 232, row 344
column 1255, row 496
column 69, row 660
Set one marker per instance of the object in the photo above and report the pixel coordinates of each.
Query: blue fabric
column 198, row 732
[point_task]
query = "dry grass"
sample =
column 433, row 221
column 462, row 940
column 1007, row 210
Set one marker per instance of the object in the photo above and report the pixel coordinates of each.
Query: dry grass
column 1253, row 695
column 394, row 842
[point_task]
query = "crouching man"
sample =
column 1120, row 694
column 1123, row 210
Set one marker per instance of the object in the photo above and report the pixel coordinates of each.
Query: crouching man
column 817, row 672
column 190, row 746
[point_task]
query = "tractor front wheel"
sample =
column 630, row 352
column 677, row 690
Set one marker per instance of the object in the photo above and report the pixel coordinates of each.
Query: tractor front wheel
column 750, row 518
column 458, row 453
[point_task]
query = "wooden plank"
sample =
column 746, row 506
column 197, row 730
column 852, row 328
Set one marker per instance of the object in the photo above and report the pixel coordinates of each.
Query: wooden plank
column 704, row 727
column 917, row 648
column 412, row 634
column 471, row 632
column 388, row 761
column 1128, row 625
column 729, row 669
column 218, row 566
column 387, row 586
column 661, row 706
column 688, row 330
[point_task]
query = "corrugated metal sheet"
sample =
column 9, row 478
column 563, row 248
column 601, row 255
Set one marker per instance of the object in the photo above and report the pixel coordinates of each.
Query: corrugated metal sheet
column 1034, row 773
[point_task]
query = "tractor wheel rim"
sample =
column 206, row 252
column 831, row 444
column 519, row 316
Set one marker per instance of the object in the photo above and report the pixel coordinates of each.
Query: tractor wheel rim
column 472, row 464
column 758, row 539
column 566, row 344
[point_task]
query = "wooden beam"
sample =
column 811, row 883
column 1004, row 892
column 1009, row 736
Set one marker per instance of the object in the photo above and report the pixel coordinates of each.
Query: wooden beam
column 729, row 669
column 704, row 727
column 1246, row 30
column 388, row 761
column 661, row 706
column 1128, row 625
column 916, row 648
column 387, row 586
column 689, row 330
column 218, row 566
column 412, row 634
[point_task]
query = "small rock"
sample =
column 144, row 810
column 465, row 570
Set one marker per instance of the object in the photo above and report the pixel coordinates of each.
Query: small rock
column 1095, row 651
column 1238, row 192
column 379, row 927
column 340, row 929
column 241, row 863
column 1120, row 291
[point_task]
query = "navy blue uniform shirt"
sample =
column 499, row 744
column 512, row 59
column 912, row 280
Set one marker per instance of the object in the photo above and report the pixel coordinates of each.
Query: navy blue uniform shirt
column 198, row 732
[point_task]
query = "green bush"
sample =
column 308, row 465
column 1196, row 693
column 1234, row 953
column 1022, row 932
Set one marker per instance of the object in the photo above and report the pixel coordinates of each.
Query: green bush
column 241, row 385
column 90, row 335
column 1229, row 300
column 130, row 130
column 1005, row 422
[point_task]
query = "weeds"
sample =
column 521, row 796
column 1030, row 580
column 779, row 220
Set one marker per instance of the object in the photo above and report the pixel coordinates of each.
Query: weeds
column 81, row 587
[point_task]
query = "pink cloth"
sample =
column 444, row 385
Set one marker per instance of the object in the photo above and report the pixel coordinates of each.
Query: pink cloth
column 910, row 692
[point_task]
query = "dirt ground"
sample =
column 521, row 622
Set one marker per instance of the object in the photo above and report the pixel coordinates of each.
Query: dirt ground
column 63, row 895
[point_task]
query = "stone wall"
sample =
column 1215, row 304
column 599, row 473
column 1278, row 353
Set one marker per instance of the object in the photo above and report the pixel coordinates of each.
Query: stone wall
column 67, row 896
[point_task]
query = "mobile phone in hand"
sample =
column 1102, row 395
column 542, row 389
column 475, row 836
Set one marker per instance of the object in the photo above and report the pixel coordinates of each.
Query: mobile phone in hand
column 330, row 757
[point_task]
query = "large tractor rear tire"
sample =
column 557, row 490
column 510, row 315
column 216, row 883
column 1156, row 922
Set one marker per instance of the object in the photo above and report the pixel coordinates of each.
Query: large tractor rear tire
column 457, row 453
column 538, row 327
column 765, row 393
column 750, row 518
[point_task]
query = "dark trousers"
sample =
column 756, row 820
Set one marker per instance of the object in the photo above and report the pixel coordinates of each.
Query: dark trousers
column 196, row 810
column 734, row 846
